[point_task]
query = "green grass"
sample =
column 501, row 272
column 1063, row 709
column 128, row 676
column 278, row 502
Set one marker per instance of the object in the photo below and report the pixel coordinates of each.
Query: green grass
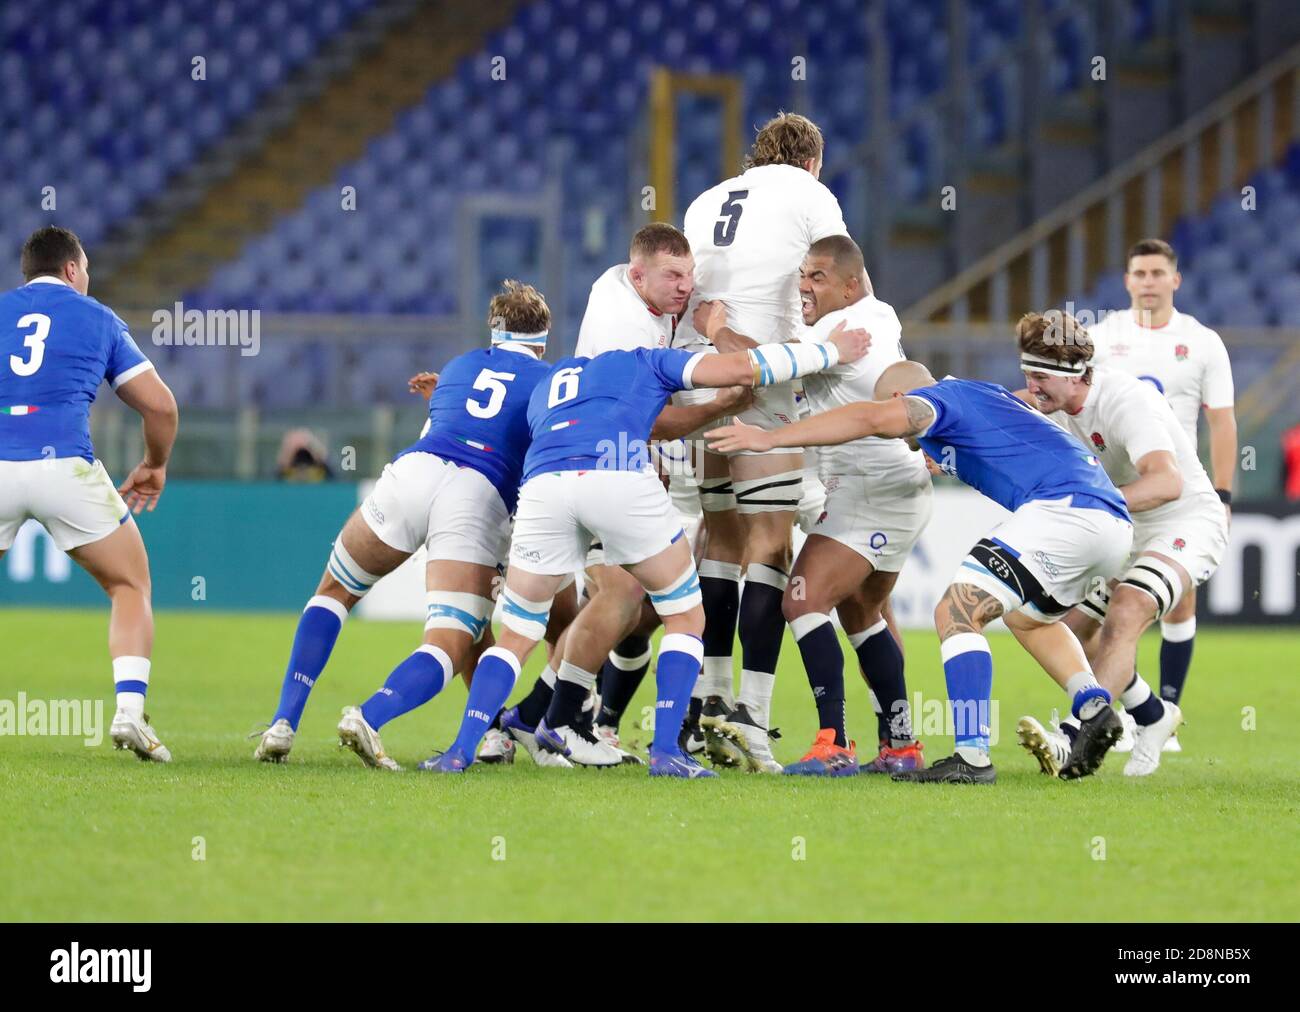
column 92, row 834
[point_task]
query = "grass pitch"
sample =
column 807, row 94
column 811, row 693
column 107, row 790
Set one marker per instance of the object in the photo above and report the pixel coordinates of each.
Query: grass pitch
column 91, row 834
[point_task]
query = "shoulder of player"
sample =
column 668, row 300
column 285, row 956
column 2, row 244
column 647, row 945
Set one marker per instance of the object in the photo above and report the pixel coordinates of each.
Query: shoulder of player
column 1193, row 329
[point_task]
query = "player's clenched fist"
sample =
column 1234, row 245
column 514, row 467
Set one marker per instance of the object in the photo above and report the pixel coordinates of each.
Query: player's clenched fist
column 739, row 436
column 142, row 487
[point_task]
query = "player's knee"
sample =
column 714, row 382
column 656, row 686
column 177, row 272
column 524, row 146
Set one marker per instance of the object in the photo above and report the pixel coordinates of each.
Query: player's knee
column 689, row 623
column 331, row 588
column 681, row 597
column 1131, row 610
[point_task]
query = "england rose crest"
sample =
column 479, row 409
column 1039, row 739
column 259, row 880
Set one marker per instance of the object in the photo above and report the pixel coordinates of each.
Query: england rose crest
column 1180, row 352
column 1179, row 544
column 1098, row 442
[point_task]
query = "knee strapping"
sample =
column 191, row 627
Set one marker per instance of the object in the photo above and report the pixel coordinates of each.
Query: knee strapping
column 680, row 596
column 717, row 495
column 777, row 493
column 527, row 618
column 466, row 612
column 344, row 569
column 1158, row 578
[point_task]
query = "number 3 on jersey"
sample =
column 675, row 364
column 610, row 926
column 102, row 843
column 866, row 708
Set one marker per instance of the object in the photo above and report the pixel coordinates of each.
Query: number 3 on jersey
column 564, row 386
column 724, row 232
column 40, row 324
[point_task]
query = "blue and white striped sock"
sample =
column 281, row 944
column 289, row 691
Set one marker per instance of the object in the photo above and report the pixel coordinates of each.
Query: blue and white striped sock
column 413, row 683
column 318, row 629
column 131, row 680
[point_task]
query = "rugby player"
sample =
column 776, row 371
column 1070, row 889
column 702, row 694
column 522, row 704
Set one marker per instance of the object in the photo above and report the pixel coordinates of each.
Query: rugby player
column 587, row 477
column 1180, row 528
column 453, row 492
column 749, row 234
column 632, row 305
column 1188, row 363
column 877, row 502
column 1068, row 525
column 57, row 345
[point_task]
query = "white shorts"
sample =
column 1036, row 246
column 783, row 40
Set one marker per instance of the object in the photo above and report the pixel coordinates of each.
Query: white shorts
column 1048, row 556
column 773, row 407
column 561, row 513
column 882, row 528
column 812, row 504
column 1195, row 539
column 74, row 499
column 455, row 512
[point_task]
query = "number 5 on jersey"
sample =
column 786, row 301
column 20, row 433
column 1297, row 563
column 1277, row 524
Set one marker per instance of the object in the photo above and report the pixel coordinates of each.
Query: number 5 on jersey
column 495, row 385
column 40, row 324
column 724, row 232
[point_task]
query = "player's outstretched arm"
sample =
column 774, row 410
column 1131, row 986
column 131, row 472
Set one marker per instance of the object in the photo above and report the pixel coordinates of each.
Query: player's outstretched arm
column 423, row 383
column 150, row 397
column 1159, row 481
column 780, row 363
column 894, row 418
column 678, row 420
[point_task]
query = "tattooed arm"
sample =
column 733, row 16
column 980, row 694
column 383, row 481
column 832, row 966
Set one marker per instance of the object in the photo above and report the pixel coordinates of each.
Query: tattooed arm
column 897, row 418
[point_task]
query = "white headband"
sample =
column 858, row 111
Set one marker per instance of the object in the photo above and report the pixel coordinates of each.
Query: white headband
column 1033, row 363
column 537, row 340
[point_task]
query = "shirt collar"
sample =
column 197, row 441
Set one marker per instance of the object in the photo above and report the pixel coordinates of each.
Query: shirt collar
column 48, row 279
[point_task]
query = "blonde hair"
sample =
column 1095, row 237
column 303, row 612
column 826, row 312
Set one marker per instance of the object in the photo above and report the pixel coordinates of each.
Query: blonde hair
column 520, row 308
column 786, row 139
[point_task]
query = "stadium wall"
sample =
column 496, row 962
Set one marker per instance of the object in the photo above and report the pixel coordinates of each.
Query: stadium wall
column 237, row 546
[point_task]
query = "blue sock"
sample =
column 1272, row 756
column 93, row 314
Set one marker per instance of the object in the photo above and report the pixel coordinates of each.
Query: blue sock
column 819, row 645
column 968, row 669
column 882, row 666
column 1178, row 639
column 680, row 657
column 413, row 683
column 318, row 628
column 494, row 680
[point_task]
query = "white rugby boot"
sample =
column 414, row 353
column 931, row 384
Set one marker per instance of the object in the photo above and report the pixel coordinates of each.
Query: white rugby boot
column 131, row 732
column 1125, row 743
column 527, row 737
column 498, row 748
column 1172, row 744
column 363, row 739
column 609, row 735
column 752, row 742
column 275, row 743
column 1050, row 748
column 1148, row 742
column 579, row 748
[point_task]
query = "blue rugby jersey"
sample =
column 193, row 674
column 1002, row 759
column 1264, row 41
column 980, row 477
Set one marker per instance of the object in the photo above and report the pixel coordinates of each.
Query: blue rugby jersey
column 478, row 415
column 986, row 436
column 56, row 347
column 597, row 413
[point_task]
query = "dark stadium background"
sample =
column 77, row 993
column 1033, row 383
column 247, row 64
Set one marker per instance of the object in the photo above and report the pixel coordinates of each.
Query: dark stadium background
column 363, row 173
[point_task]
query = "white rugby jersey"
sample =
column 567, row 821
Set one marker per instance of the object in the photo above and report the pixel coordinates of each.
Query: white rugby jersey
column 1185, row 360
column 887, row 460
column 618, row 319
column 749, row 234
column 1124, row 419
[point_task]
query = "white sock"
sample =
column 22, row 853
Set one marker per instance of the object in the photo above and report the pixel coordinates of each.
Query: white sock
column 756, row 693
column 715, row 679
column 548, row 676
column 1178, row 632
column 572, row 673
column 974, row 756
column 127, row 670
column 1078, row 683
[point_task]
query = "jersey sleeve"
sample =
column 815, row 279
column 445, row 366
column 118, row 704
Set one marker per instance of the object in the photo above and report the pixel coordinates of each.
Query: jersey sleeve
column 1216, row 384
column 820, row 333
column 1138, row 424
column 947, row 407
column 672, row 367
column 824, row 216
column 125, row 360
